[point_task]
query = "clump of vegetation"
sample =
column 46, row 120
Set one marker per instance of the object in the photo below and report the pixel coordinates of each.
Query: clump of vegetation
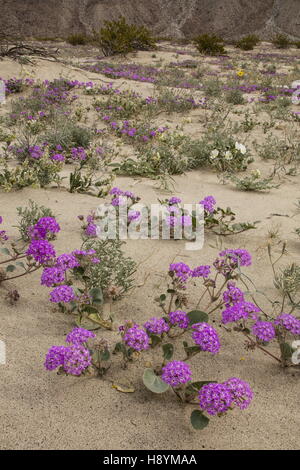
column 78, row 39
column 281, row 41
column 115, row 272
column 66, row 133
column 254, row 182
column 37, row 174
column 247, row 43
column 209, row 44
column 235, row 96
column 29, row 216
column 118, row 37
column 212, row 88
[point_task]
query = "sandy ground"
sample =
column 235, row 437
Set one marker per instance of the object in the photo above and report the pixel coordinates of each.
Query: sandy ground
column 40, row 410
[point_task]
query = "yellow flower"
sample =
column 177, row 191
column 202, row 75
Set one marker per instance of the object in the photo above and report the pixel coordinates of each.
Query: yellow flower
column 240, row 73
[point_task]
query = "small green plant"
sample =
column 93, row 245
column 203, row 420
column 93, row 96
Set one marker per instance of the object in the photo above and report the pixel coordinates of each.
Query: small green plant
column 78, row 39
column 254, row 182
column 115, row 271
column 234, row 96
column 66, row 133
column 212, row 88
column 37, row 175
column 281, row 41
column 29, row 216
column 209, row 44
column 247, row 43
column 118, row 37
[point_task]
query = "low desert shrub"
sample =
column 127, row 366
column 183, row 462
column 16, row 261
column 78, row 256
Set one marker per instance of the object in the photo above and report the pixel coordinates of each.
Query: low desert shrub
column 281, row 41
column 234, row 96
column 78, row 39
column 209, row 44
column 247, row 43
column 118, row 37
column 115, row 272
column 29, row 216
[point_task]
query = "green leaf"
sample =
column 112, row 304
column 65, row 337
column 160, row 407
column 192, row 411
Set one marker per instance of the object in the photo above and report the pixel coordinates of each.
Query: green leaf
column 155, row 340
column 105, row 355
column 199, row 420
column 286, row 350
column 168, row 350
column 96, row 295
column 5, row 251
column 198, row 385
column 10, row 268
column 196, row 316
column 153, row 382
column 119, row 347
column 19, row 263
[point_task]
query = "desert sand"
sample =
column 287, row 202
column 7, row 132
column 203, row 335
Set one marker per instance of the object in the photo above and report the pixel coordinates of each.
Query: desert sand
column 41, row 410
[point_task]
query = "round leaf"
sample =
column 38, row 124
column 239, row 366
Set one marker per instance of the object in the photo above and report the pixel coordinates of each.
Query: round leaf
column 199, row 420
column 196, row 316
column 153, row 382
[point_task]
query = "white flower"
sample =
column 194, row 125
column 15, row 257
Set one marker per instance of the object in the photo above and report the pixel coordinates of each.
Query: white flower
column 241, row 148
column 296, row 355
column 256, row 173
column 214, row 154
column 228, row 155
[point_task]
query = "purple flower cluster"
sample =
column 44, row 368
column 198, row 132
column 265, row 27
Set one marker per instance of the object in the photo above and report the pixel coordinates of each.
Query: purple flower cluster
column 241, row 392
column 157, row 326
column 73, row 359
column 133, row 215
column 208, row 203
column 44, row 226
column 179, row 318
column 264, row 330
column 217, row 398
column 55, row 357
column 79, row 336
column 35, row 152
column 76, row 359
column 174, row 200
column 289, row 322
column 91, row 230
column 238, row 311
column 238, row 257
column 233, row 294
column 52, row 276
column 206, row 337
column 183, row 220
column 180, row 270
column 67, row 261
column 41, row 250
column 3, row 236
column 176, row 373
column 136, row 338
column 201, row 271
column 62, row 293
column 78, row 153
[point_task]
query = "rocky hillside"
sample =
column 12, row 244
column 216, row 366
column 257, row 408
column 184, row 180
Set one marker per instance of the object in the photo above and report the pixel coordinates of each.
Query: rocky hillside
column 176, row 18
